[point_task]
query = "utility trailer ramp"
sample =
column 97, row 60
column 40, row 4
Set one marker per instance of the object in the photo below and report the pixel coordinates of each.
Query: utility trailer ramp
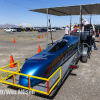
column 93, row 9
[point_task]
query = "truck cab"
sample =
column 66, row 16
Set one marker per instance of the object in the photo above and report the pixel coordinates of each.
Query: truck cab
column 87, row 28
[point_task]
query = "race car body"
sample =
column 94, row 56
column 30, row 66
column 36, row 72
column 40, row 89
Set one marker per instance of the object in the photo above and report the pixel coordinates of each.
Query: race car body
column 46, row 62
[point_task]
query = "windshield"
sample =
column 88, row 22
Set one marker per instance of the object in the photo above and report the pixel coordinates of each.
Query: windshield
column 57, row 46
column 87, row 27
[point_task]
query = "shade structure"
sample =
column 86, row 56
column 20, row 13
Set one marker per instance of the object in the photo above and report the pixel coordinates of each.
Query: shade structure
column 93, row 9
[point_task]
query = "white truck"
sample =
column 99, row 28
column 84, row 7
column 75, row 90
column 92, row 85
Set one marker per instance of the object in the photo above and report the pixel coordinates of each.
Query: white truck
column 87, row 40
column 87, row 28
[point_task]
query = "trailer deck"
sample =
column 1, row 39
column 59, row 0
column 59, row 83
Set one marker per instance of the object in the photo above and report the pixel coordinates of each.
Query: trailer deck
column 48, row 85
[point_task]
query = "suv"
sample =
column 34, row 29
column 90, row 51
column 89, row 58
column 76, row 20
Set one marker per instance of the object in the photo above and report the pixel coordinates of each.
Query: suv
column 87, row 28
column 91, row 28
column 27, row 29
column 42, row 30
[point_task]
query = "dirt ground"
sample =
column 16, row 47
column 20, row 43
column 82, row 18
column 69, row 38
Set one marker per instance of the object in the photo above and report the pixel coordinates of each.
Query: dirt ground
column 81, row 84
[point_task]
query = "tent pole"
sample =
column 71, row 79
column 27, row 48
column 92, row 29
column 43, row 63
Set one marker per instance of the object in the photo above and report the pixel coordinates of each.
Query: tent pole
column 80, row 21
column 47, row 27
column 90, row 18
column 80, row 24
column 70, row 25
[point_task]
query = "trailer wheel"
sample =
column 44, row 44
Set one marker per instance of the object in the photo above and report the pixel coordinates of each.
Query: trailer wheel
column 84, row 59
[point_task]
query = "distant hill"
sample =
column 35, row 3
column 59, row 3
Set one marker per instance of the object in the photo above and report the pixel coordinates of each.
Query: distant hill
column 7, row 25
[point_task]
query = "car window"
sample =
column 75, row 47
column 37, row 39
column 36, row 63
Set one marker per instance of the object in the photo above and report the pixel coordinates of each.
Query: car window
column 87, row 27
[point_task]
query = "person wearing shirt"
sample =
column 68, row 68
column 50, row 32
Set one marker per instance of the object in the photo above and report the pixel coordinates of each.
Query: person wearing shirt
column 67, row 30
column 84, row 22
column 72, row 28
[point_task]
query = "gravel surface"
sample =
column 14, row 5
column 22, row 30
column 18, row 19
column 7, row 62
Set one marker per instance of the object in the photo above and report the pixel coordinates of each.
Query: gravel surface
column 81, row 84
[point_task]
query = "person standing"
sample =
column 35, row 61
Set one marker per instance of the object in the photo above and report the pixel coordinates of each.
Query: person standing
column 67, row 30
column 84, row 22
column 72, row 28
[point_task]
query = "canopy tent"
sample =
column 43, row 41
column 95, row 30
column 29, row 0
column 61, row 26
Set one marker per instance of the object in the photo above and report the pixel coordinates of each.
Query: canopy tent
column 88, row 9
column 93, row 9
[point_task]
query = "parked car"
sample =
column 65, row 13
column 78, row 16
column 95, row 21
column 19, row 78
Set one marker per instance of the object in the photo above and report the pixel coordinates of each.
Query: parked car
column 42, row 30
column 55, row 28
column 19, row 29
column 97, row 28
column 36, row 29
column 52, row 30
column 10, row 30
column 62, row 28
column 27, row 29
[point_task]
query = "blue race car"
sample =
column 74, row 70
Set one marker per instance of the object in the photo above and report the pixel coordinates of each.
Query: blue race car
column 46, row 62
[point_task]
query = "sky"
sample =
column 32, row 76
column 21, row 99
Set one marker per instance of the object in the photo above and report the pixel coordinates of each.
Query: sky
column 17, row 12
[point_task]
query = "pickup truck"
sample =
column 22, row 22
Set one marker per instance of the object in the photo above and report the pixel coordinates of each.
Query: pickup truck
column 88, row 27
column 87, row 40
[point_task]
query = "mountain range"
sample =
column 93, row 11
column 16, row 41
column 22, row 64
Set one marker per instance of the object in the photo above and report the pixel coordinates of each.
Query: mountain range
column 7, row 25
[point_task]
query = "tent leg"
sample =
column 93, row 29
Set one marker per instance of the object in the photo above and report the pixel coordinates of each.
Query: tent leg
column 47, row 27
column 70, row 24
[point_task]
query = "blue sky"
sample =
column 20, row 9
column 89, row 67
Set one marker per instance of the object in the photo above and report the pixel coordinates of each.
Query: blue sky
column 17, row 12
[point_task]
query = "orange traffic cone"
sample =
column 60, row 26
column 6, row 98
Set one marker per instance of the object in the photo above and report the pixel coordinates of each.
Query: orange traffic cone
column 42, row 36
column 58, row 31
column 39, row 49
column 45, row 34
column 14, row 41
column 12, row 61
column 50, row 32
column 39, row 37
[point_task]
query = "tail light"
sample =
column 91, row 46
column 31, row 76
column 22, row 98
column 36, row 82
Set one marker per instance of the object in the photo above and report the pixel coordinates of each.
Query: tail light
column 74, row 66
column 93, row 33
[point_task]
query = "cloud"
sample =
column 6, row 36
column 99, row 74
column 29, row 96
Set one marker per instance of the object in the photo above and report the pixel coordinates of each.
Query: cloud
column 26, row 25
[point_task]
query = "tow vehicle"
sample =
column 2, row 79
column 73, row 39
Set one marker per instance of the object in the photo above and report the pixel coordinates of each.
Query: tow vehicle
column 87, row 39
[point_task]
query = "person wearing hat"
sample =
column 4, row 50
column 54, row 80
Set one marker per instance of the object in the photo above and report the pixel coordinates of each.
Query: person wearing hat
column 67, row 30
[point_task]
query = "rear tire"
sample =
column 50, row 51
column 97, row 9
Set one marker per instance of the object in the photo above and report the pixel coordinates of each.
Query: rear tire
column 84, row 59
